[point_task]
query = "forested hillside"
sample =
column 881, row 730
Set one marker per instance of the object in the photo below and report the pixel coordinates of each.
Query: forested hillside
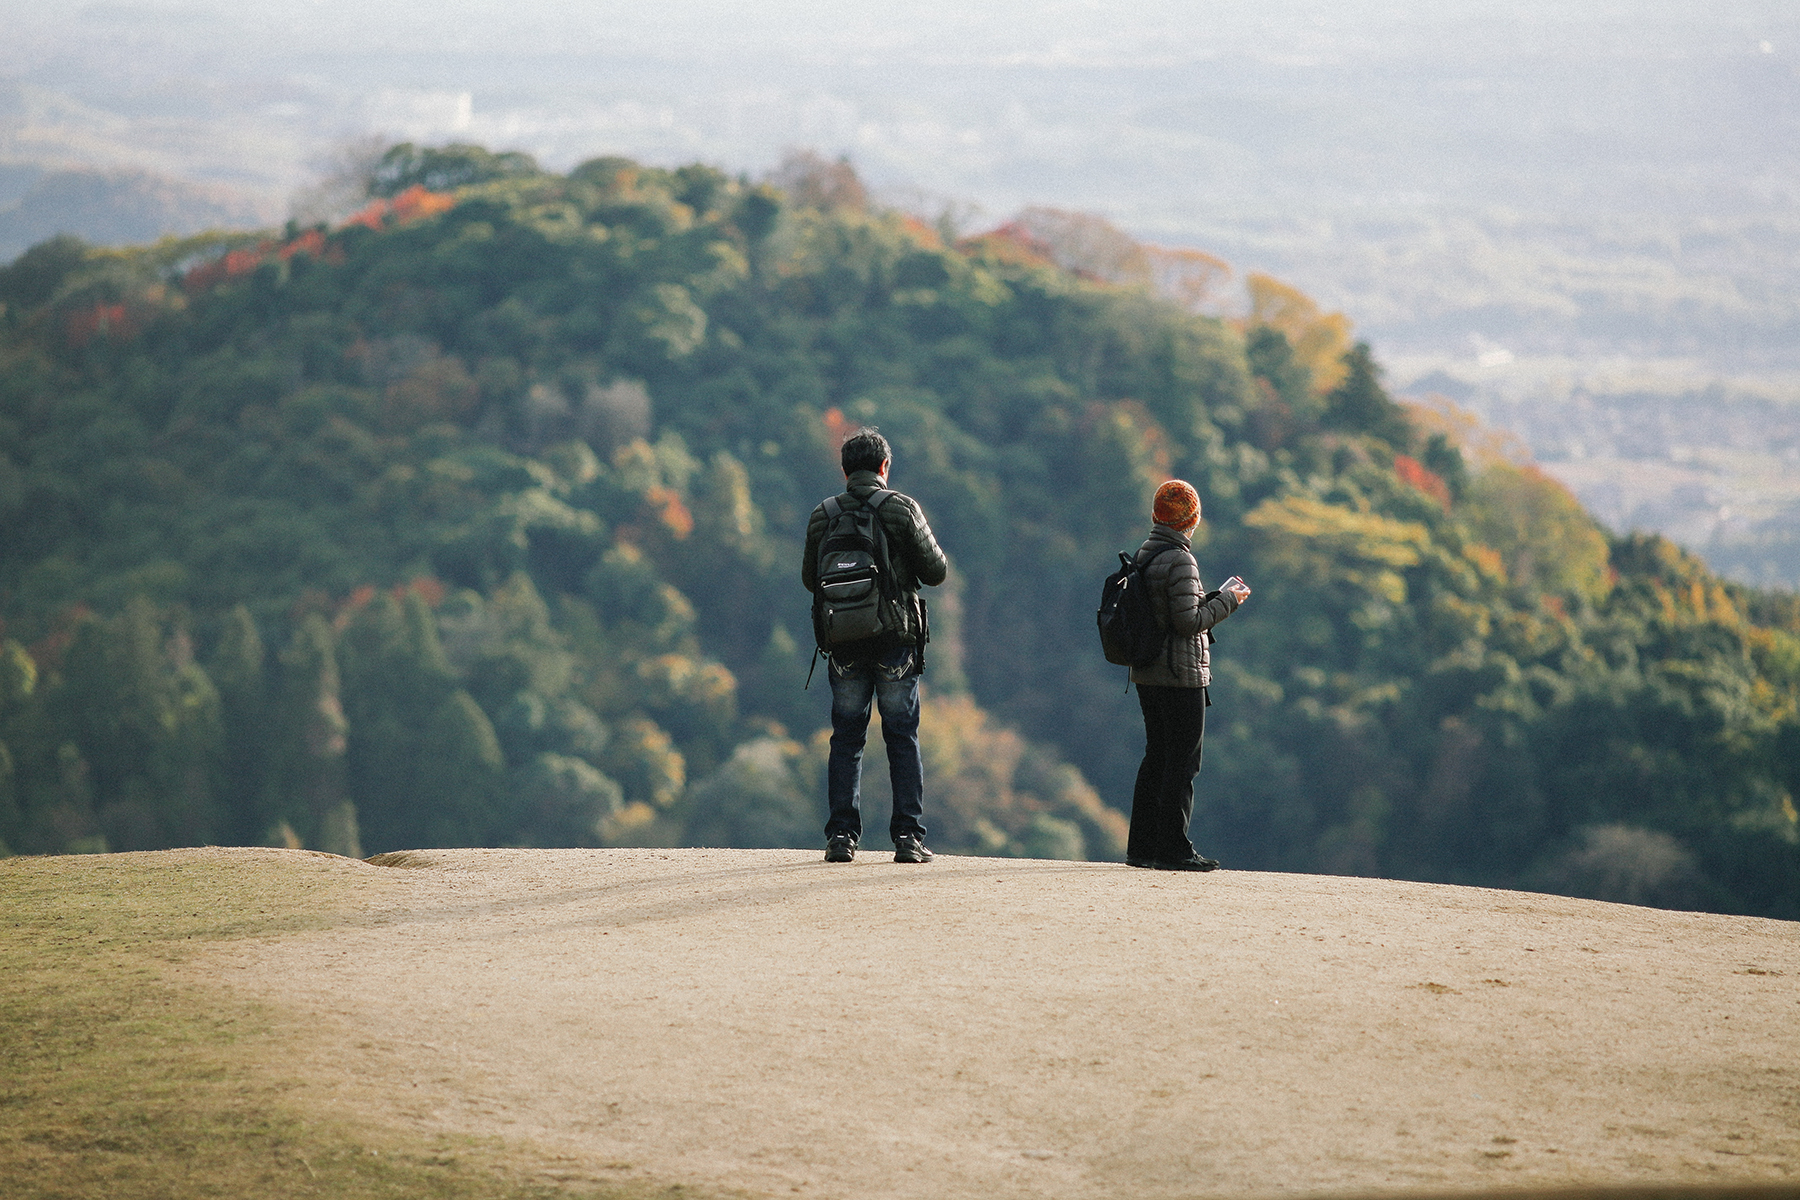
column 476, row 520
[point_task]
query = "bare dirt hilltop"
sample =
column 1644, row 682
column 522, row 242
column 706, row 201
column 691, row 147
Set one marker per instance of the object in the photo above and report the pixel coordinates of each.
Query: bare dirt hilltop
column 760, row 1022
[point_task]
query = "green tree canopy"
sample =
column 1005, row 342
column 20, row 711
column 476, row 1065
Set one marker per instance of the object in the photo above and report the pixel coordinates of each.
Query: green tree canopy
column 476, row 519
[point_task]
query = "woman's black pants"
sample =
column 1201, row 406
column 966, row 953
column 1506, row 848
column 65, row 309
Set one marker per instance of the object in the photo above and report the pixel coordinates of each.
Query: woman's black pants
column 1162, row 803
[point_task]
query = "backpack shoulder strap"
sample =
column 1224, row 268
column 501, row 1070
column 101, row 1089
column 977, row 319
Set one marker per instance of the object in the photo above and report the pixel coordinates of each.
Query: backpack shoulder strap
column 832, row 506
column 883, row 552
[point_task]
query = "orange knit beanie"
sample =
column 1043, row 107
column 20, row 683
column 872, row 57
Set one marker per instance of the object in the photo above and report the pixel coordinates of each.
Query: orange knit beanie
column 1177, row 505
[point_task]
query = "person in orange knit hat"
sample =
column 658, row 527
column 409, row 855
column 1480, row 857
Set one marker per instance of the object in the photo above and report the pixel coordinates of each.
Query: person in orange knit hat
column 1172, row 690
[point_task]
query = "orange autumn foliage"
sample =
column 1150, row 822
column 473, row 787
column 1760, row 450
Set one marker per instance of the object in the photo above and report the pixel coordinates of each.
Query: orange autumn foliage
column 667, row 506
column 1416, row 474
column 235, row 264
column 838, row 426
column 922, row 233
column 371, row 216
column 415, row 204
column 311, row 242
column 1011, row 244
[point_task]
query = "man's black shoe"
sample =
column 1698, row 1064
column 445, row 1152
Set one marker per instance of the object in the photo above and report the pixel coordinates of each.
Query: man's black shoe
column 841, row 848
column 910, row 848
column 1139, row 862
column 1196, row 863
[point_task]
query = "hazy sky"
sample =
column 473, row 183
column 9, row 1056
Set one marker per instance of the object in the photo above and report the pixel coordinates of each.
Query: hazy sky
column 991, row 31
column 993, row 98
column 1442, row 170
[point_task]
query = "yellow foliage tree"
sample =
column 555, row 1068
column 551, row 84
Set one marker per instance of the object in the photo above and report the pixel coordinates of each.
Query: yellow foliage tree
column 1311, row 540
column 1320, row 339
column 989, row 790
column 1191, row 278
column 1547, row 540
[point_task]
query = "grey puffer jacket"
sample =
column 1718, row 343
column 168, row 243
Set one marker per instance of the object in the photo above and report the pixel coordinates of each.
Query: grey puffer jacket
column 913, row 552
column 1183, row 608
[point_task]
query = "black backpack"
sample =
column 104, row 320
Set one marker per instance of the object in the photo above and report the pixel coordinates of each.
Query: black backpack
column 854, row 601
column 1129, row 634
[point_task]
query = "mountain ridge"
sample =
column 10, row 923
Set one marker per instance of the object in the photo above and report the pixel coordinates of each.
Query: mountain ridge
column 473, row 518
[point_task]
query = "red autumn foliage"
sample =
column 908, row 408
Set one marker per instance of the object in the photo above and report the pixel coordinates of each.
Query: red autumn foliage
column 355, row 602
column 1417, row 475
column 204, row 276
column 922, row 233
column 111, row 321
column 370, row 217
column 311, row 242
column 242, row 262
column 233, row 264
column 667, row 506
column 838, row 426
column 432, row 591
column 414, row 204
column 1011, row 243
column 429, row 589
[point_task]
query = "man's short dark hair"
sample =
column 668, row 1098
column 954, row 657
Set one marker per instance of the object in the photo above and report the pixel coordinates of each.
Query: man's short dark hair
column 865, row 450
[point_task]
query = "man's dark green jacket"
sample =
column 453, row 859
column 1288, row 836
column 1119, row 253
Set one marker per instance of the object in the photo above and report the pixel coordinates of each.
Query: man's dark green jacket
column 913, row 552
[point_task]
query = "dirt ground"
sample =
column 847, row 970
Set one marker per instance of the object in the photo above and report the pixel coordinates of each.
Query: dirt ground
column 762, row 1022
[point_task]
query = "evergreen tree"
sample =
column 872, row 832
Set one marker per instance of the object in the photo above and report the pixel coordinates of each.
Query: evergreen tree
column 442, row 168
column 455, row 792
column 34, row 276
column 1360, row 404
column 18, row 704
column 143, row 719
column 1443, row 458
column 1270, row 357
column 238, row 671
column 307, row 788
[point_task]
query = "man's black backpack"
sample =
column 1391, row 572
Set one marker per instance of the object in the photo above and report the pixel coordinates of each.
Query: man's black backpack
column 1129, row 634
column 855, row 597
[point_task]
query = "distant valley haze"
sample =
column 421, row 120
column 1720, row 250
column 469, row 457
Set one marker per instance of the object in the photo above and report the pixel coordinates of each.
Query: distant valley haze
column 1579, row 220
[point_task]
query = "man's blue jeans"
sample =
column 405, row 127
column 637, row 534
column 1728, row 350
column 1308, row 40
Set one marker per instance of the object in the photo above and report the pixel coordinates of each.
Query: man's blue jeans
column 890, row 681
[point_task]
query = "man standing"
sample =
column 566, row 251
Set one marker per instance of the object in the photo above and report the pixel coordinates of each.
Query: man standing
column 1172, row 690
column 884, row 667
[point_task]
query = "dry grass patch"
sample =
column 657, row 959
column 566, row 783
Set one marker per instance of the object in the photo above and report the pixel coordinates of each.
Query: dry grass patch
column 119, row 1080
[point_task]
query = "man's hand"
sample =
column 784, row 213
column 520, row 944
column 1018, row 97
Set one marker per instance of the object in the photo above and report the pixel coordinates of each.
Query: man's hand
column 1238, row 589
